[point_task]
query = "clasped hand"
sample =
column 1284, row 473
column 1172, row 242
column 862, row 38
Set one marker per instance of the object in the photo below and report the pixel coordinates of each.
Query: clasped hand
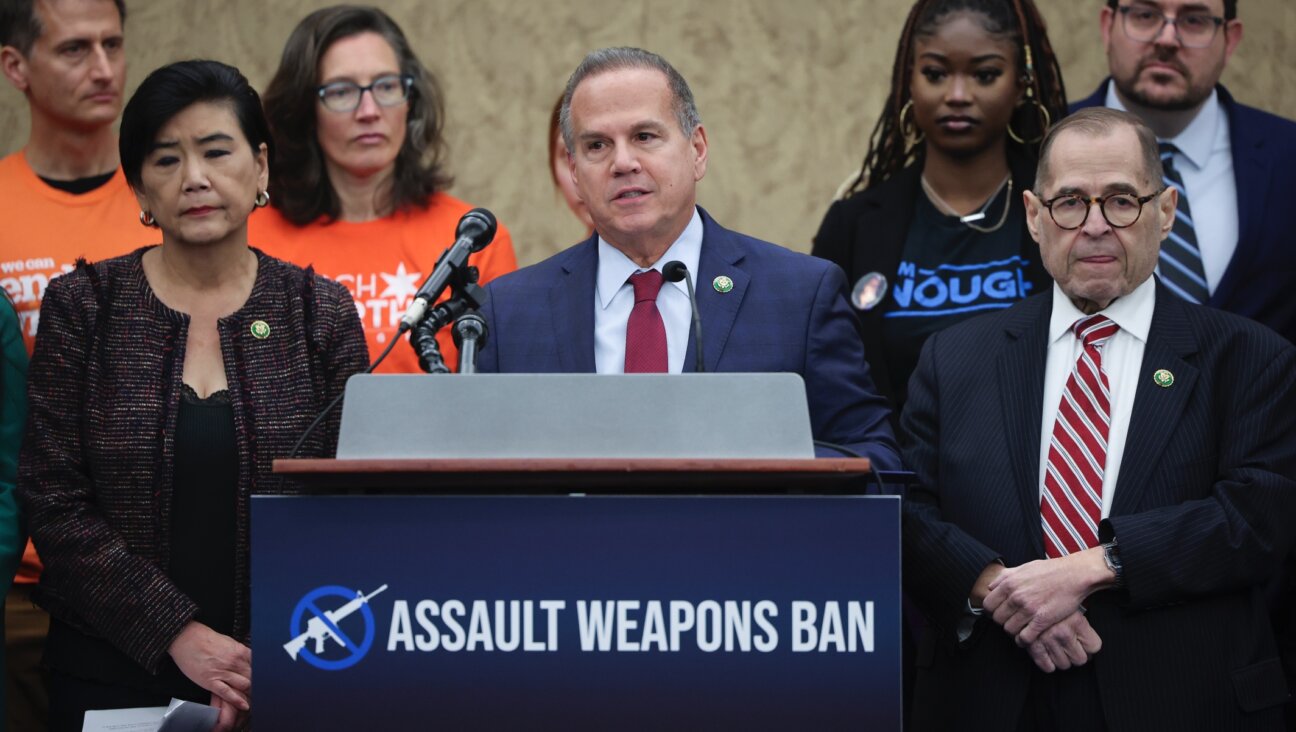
column 1039, row 604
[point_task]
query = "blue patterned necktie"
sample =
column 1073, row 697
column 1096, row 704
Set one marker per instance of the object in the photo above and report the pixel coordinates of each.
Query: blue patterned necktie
column 1181, row 261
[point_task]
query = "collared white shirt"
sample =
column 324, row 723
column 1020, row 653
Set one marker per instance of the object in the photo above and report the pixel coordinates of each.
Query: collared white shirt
column 614, row 299
column 1122, row 360
column 1205, row 161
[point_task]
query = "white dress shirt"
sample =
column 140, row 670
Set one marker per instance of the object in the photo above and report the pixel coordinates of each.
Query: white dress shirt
column 614, row 299
column 1122, row 361
column 1205, row 161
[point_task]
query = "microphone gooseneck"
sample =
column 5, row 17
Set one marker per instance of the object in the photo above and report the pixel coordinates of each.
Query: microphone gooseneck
column 674, row 271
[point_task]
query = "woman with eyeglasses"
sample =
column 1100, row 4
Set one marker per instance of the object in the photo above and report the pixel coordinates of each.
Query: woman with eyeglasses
column 359, row 176
column 932, row 229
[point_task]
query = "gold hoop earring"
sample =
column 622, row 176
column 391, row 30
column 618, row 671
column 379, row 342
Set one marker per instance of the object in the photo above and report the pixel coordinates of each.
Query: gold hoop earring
column 912, row 135
column 262, row 199
column 146, row 219
column 1042, row 116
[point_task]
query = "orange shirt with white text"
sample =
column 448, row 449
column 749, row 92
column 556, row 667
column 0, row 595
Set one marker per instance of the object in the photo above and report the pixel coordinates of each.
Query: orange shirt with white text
column 383, row 262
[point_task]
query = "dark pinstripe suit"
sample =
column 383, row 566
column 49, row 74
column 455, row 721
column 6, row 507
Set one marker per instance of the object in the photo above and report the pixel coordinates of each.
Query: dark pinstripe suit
column 1205, row 507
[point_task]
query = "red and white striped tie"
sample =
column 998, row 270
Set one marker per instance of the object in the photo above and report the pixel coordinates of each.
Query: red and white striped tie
column 1071, row 505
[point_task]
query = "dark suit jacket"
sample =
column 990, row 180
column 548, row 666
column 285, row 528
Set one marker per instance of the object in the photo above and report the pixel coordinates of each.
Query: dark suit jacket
column 787, row 312
column 1261, row 277
column 1203, row 512
column 866, row 233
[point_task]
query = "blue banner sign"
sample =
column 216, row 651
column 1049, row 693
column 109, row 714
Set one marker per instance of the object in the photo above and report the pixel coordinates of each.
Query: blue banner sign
column 576, row 612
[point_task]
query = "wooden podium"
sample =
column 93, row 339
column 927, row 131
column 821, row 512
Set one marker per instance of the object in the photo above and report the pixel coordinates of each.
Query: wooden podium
column 835, row 476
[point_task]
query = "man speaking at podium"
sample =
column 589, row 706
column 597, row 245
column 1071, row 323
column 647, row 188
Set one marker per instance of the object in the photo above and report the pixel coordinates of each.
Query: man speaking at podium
column 636, row 149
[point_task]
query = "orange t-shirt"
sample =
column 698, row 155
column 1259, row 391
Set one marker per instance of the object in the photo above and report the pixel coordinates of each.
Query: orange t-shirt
column 383, row 262
column 44, row 231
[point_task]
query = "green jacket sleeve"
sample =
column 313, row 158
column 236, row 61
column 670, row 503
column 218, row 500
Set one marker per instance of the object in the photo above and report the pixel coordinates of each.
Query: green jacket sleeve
column 13, row 413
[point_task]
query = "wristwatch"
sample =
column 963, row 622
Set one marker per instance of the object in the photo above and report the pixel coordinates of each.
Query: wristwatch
column 1111, row 555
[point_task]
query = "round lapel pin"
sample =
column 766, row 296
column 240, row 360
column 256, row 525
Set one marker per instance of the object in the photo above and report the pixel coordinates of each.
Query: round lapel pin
column 260, row 330
column 869, row 291
column 722, row 284
column 1163, row 378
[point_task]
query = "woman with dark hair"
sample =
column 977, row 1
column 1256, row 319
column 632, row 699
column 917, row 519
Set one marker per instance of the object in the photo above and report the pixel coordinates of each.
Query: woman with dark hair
column 933, row 228
column 358, row 173
column 162, row 385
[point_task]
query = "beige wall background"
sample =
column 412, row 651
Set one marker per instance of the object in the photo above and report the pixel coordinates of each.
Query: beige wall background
column 788, row 89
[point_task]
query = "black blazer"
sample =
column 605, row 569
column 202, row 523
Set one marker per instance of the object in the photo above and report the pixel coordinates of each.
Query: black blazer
column 1203, row 511
column 1261, row 277
column 866, row 233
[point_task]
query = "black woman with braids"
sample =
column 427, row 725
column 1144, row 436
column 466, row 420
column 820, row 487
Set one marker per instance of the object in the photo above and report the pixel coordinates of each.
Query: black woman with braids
column 932, row 229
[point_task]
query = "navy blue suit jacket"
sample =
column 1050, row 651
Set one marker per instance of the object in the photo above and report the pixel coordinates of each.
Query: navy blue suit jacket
column 1260, row 281
column 1203, row 512
column 787, row 312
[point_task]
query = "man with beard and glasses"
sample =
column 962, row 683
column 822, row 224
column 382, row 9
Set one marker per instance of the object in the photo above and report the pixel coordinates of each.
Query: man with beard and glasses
column 1233, row 164
column 1234, row 168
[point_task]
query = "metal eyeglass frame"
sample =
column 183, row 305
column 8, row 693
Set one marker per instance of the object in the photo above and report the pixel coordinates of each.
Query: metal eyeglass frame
column 407, row 83
column 1124, row 11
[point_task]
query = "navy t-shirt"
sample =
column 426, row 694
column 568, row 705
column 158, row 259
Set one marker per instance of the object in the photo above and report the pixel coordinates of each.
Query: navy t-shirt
column 950, row 272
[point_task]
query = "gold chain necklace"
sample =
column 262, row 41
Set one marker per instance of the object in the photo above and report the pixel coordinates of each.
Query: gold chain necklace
column 948, row 209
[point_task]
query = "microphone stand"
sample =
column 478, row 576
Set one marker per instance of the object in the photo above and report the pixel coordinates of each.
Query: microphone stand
column 469, row 336
column 465, row 295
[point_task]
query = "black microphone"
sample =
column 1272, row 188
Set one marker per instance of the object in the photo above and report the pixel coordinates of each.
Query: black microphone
column 469, row 337
column 675, row 271
column 476, row 229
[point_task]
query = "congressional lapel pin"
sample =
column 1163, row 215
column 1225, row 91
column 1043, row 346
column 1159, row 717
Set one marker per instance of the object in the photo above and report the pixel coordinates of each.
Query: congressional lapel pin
column 722, row 284
column 260, row 330
column 1163, row 378
column 869, row 291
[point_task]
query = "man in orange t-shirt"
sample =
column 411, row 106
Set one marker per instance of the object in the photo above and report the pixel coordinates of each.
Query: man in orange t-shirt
column 383, row 262
column 62, row 196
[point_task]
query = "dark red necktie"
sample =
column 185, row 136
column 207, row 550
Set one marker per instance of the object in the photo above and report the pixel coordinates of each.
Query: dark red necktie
column 645, row 351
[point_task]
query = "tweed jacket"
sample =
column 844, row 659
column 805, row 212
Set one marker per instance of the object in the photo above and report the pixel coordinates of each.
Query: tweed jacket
column 95, row 475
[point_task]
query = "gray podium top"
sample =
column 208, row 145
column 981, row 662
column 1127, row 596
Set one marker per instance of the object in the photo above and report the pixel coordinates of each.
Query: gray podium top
column 575, row 416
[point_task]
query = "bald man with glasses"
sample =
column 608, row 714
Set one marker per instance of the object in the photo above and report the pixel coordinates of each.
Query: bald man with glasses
column 1100, row 562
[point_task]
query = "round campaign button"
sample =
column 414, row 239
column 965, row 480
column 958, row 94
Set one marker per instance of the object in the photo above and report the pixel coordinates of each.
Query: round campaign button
column 869, row 291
